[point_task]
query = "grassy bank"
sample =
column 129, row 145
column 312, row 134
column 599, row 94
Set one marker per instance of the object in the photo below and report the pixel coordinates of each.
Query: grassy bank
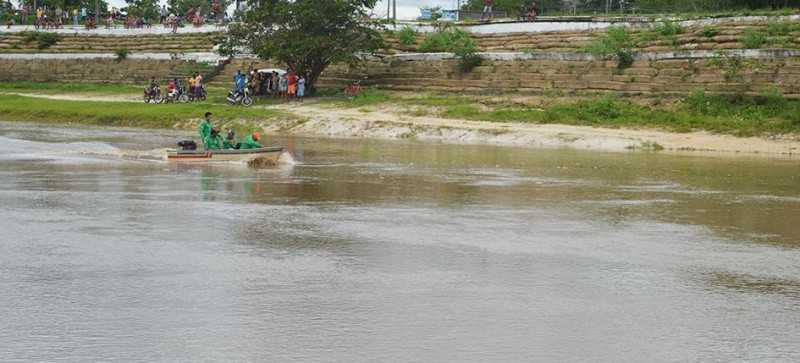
column 133, row 114
column 763, row 115
column 68, row 88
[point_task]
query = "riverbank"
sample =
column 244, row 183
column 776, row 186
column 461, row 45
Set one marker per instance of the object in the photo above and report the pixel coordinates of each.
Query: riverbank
column 343, row 118
column 387, row 122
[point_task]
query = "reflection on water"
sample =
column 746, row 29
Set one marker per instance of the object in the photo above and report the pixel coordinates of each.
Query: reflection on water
column 392, row 251
column 756, row 285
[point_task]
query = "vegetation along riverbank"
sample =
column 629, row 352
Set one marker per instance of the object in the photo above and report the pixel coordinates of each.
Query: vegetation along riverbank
column 764, row 125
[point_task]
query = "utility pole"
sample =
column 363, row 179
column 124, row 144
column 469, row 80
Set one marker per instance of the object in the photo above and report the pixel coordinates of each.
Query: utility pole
column 394, row 9
column 388, row 9
column 608, row 6
column 96, row 12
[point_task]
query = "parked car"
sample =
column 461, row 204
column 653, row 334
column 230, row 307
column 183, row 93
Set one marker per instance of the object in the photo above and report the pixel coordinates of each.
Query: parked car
column 269, row 71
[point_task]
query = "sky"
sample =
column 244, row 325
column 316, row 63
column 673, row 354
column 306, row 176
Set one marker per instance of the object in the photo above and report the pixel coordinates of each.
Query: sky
column 406, row 9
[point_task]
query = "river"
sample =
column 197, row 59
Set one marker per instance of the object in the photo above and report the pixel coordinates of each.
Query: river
column 392, row 251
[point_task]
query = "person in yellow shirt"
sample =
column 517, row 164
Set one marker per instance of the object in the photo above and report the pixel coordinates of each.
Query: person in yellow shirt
column 192, row 82
column 75, row 16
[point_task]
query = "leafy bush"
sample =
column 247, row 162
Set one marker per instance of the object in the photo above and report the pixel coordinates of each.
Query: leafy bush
column 777, row 29
column 733, row 66
column 667, row 27
column 122, row 53
column 617, row 41
column 773, row 99
column 457, row 41
column 407, row 35
column 48, row 39
column 753, row 39
column 29, row 37
column 708, row 32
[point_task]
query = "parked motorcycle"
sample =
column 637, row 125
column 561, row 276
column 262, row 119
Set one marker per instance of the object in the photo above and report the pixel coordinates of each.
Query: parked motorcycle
column 177, row 95
column 153, row 94
column 201, row 96
column 242, row 97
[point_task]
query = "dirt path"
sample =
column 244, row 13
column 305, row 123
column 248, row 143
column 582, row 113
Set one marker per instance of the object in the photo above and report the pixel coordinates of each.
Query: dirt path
column 394, row 122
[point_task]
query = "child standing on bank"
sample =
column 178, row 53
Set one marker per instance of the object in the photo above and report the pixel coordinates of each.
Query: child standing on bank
column 301, row 87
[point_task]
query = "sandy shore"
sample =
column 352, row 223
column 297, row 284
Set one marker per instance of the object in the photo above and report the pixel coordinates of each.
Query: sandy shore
column 392, row 122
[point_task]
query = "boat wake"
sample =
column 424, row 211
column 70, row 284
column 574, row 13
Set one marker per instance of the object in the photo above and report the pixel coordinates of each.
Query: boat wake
column 71, row 152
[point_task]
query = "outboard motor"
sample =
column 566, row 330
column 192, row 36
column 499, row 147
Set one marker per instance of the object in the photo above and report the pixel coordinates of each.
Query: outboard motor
column 187, row 145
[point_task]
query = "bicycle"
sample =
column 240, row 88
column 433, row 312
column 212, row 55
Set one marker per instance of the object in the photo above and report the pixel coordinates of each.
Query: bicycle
column 354, row 89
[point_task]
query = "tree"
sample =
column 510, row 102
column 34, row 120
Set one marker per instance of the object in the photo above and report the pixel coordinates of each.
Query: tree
column 206, row 6
column 306, row 35
column 145, row 8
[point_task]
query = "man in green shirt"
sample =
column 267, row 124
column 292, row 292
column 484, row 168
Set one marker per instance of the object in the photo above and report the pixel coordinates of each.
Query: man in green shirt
column 213, row 141
column 229, row 142
column 205, row 127
column 251, row 141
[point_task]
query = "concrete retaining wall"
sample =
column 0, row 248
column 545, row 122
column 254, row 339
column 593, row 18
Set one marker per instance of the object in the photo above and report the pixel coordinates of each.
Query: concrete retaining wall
column 668, row 73
column 98, row 69
column 675, row 73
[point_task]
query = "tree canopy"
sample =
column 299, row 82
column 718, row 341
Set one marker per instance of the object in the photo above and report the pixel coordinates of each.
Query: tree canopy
column 206, row 6
column 306, row 36
column 146, row 8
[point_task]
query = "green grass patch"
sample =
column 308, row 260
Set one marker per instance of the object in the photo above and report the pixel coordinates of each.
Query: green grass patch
column 407, row 35
column 129, row 114
column 768, row 113
column 68, row 88
column 753, row 39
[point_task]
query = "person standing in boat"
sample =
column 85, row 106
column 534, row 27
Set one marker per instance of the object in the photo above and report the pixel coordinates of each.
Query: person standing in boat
column 251, row 141
column 206, row 127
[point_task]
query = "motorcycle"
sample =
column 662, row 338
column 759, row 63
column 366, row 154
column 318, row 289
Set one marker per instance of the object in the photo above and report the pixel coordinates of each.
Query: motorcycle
column 242, row 97
column 202, row 96
column 177, row 95
column 153, row 94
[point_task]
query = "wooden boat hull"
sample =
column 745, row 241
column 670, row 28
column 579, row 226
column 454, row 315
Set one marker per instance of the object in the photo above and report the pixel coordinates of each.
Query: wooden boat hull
column 264, row 155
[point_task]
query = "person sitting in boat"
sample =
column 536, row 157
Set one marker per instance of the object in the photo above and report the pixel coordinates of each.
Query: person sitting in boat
column 206, row 127
column 251, row 141
column 214, row 141
column 229, row 143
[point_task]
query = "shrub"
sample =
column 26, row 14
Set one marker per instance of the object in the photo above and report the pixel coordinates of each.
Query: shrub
column 29, row 37
column 457, row 41
column 617, row 41
column 777, row 29
column 733, row 66
column 773, row 99
column 122, row 53
column 48, row 39
column 753, row 39
column 708, row 32
column 407, row 35
column 667, row 27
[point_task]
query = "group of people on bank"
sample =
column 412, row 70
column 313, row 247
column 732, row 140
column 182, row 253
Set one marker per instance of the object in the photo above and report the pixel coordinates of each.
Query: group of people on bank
column 284, row 85
column 212, row 140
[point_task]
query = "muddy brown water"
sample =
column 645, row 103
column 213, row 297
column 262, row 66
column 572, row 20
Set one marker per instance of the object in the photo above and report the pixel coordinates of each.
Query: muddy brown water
column 392, row 251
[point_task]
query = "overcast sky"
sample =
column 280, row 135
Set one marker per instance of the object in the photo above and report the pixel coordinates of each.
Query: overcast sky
column 406, row 9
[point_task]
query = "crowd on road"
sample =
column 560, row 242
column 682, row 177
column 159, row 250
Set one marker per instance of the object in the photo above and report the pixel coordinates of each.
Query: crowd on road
column 54, row 17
